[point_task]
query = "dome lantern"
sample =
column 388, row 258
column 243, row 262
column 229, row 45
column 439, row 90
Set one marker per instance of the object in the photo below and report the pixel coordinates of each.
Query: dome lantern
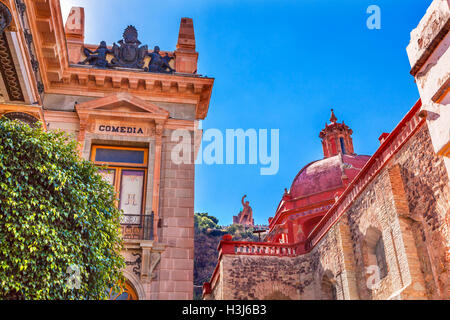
column 336, row 138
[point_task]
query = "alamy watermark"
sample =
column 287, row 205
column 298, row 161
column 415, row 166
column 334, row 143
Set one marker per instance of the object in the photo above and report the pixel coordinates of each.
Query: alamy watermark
column 374, row 20
column 234, row 146
column 374, row 279
column 74, row 277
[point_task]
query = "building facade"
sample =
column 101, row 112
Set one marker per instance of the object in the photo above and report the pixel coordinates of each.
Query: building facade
column 356, row 227
column 121, row 102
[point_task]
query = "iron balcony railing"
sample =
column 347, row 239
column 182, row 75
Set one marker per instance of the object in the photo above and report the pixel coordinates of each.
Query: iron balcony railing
column 137, row 227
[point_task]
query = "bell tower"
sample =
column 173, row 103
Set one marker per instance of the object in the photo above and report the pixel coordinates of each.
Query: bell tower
column 336, row 138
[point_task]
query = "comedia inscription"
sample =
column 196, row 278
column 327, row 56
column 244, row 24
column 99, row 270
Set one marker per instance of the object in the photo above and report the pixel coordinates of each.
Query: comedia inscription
column 103, row 128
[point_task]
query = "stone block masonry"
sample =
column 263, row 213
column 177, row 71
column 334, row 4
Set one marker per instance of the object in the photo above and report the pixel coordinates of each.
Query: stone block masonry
column 177, row 225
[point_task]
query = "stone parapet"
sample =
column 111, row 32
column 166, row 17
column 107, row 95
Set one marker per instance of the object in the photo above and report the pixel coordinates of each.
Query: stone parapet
column 429, row 33
column 429, row 56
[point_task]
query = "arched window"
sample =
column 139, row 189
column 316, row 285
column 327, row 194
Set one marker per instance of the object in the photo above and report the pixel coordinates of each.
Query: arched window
column 381, row 258
column 329, row 291
column 127, row 293
column 376, row 252
column 342, row 145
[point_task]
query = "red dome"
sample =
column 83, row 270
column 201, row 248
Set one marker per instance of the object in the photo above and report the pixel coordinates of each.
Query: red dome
column 315, row 188
column 326, row 174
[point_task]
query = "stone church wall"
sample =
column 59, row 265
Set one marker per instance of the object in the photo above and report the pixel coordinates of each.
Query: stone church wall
column 427, row 193
column 260, row 277
column 406, row 205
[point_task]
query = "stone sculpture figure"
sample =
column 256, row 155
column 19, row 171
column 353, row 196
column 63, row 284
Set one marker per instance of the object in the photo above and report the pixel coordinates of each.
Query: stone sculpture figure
column 158, row 63
column 245, row 217
column 98, row 57
column 247, row 211
column 129, row 53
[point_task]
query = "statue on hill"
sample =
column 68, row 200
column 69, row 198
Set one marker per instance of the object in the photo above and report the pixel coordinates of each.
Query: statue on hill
column 245, row 217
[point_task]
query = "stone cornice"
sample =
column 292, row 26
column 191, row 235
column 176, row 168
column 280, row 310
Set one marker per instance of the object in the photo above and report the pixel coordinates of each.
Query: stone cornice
column 319, row 207
column 430, row 32
column 60, row 77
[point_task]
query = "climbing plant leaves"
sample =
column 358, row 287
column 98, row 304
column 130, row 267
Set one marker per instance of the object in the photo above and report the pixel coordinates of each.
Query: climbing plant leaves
column 56, row 214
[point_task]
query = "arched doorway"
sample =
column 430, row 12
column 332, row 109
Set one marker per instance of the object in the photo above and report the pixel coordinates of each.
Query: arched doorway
column 328, row 288
column 128, row 293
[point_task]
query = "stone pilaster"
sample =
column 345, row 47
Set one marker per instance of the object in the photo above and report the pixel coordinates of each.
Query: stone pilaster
column 415, row 289
column 349, row 260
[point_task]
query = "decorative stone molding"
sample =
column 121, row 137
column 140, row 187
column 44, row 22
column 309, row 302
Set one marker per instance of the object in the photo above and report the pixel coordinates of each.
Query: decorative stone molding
column 136, row 264
column 148, row 255
column 9, row 72
column 63, row 77
column 136, row 284
column 22, row 116
column 29, row 114
column 429, row 56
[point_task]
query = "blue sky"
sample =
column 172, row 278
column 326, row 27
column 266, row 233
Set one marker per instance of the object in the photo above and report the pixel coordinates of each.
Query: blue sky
column 279, row 65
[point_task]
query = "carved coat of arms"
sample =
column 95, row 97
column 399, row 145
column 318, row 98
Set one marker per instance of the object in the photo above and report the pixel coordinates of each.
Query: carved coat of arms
column 129, row 53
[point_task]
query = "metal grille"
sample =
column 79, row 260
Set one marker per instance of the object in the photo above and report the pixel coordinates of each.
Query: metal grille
column 137, row 227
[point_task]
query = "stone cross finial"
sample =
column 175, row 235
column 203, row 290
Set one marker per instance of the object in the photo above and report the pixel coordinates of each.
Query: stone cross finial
column 333, row 118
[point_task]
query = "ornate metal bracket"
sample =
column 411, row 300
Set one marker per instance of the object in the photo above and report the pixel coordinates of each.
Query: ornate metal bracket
column 136, row 263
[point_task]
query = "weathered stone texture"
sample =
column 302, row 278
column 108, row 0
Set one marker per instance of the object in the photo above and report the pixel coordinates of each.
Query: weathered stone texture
column 257, row 278
column 327, row 262
column 429, row 56
column 430, row 31
column 417, row 202
column 178, row 110
column 426, row 181
column 264, row 277
column 428, row 194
